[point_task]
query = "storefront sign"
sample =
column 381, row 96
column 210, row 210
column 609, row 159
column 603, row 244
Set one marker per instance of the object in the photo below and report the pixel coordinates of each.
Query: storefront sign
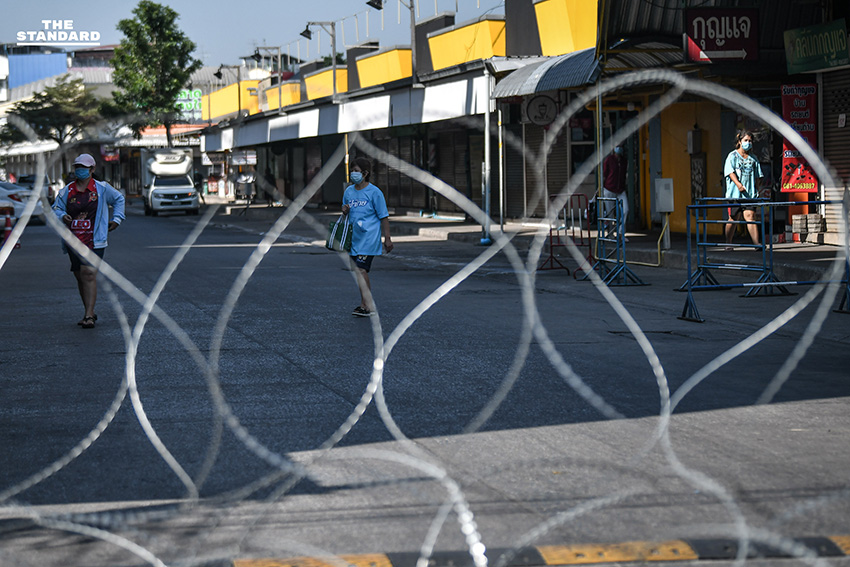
column 210, row 158
column 109, row 153
column 815, row 48
column 541, row 110
column 189, row 102
column 243, row 157
column 799, row 109
column 721, row 35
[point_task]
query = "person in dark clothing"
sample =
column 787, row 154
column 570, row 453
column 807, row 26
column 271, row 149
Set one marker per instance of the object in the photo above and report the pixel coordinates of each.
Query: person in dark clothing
column 614, row 185
column 269, row 187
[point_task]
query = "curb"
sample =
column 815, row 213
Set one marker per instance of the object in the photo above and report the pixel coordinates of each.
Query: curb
column 579, row 554
column 636, row 253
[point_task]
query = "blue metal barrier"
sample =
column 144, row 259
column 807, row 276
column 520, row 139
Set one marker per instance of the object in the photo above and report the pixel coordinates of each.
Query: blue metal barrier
column 702, row 279
column 611, row 245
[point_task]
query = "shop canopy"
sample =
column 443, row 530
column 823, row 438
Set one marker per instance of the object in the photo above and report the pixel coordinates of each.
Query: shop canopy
column 574, row 69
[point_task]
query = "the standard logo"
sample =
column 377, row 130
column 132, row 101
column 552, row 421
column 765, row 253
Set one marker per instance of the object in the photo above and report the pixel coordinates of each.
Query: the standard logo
column 58, row 33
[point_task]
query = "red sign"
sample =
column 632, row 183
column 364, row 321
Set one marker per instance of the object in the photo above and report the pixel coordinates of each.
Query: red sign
column 109, row 153
column 799, row 109
column 717, row 34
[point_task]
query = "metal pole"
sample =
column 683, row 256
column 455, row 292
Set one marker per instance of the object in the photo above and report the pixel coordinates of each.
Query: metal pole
column 501, row 170
column 524, row 178
column 239, row 90
column 279, row 81
column 413, row 41
column 485, row 239
column 333, row 56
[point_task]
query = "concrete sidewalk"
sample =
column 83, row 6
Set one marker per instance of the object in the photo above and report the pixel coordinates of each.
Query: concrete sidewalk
column 792, row 261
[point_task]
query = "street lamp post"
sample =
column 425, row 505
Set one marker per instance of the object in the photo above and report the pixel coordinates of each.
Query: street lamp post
column 238, row 68
column 411, row 5
column 257, row 57
column 329, row 27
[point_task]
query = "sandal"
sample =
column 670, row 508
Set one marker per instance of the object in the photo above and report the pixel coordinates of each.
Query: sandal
column 88, row 323
column 81, row 321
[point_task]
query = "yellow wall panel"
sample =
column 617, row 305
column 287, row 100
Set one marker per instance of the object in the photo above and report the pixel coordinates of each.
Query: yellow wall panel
column 320, row 84
column 384, row 67
column 478, row 40
column 290, row 93
column 566, row 25
column 226, row 101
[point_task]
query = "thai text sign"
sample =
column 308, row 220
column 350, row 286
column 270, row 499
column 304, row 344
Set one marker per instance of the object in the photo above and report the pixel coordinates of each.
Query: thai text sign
column 799, row 109
column 721, row 35
column 815, row 48
column 189, row 102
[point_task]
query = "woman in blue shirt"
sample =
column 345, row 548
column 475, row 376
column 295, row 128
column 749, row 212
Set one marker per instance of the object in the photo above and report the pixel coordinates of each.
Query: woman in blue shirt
column 367, row 212
column 741, row 172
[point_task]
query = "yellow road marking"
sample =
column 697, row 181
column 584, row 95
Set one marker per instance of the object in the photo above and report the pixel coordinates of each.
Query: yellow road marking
column 628, row 551
column 843, row 542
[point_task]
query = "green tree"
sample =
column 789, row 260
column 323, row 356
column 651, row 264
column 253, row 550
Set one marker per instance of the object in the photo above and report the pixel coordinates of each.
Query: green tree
column 60, row 113
column 152, row 65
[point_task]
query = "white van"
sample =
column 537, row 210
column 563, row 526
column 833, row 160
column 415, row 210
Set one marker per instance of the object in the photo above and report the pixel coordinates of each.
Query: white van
column 170, row 188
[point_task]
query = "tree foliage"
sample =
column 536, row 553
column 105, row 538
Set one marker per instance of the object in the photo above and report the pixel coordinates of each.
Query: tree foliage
column 152, row 64
column 59, row 113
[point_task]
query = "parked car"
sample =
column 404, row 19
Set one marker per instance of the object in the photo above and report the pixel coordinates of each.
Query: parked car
column 171, row 193
column 51, row 188
column 19, row 196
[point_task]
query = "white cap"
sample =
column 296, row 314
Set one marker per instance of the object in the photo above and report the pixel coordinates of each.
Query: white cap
column 85, row 160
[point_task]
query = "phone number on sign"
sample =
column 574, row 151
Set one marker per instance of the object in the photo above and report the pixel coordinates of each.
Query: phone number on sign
column 799, row 186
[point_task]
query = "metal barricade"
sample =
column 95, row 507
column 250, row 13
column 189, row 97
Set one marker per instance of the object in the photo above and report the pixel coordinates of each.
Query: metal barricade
column 578, row 229
column 571, row 223
column 551, row 262
column 701, row 278
column 611, row 245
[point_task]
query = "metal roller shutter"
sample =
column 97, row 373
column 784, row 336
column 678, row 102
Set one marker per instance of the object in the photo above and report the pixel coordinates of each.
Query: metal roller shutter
column 514, row 200
column 405, row 153
column 453, row 168
column 535, row 180
column 462, row 163
column 391, row 191
column 558, row 165
column 419, row 192
column 379, row 168
column 836, row 140
column 476, row 161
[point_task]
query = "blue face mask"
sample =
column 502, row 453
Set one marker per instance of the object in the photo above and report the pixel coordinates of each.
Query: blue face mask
column 746, row 146
column 356, row 177
column 82, row 172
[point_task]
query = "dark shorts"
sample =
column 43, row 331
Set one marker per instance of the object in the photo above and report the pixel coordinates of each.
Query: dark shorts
column 363, row 262
column 735, row 210
column 76, row 261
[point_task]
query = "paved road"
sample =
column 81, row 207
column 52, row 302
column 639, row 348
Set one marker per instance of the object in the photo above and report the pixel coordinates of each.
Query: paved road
column 547, row 467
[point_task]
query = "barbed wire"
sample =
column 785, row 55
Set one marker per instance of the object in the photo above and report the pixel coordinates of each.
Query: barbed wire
column 112, row 527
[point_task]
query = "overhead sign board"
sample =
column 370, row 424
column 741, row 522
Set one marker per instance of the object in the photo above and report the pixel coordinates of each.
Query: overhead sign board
column 721, row 34
column 817, row 48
